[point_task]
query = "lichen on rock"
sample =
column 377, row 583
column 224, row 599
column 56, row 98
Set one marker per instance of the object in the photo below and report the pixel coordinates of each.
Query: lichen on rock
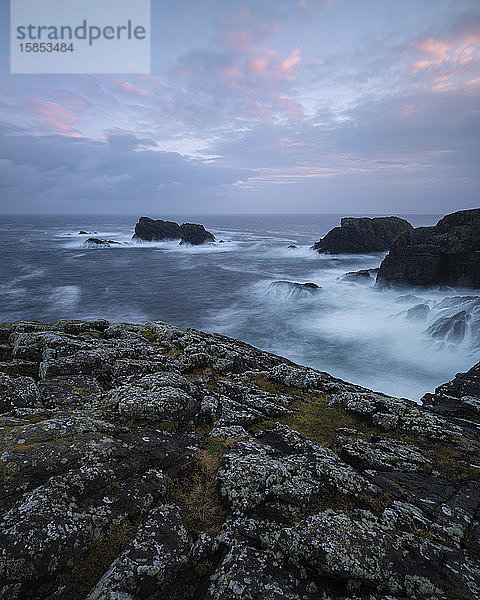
column 147, row 461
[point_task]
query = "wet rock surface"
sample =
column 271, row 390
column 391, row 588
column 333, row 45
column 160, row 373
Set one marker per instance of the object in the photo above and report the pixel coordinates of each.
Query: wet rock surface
column 446, row 254
column 188, row 233
column 359, row 235
column 146, row 461
column 293, row 289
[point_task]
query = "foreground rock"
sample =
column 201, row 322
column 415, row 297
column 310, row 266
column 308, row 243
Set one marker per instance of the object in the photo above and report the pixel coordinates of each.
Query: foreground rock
column 189, row 233
column 360, row 235
column 147, row 461
column 446, row 254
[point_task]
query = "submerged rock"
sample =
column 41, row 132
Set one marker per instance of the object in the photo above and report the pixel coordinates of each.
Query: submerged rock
column 98, row 242
column 445, row 254
column 360, row 276
column 360, row 235
column 292, row 288
column 148, row 461
column 150, row 229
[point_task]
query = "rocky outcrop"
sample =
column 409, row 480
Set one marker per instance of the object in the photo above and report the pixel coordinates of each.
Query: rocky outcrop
column 458, row 397
column 287, row 289
column 360, row 235
column 446, row 254
column 188, row 233
column 147, row 461
column 362, row 276
column 93, row 242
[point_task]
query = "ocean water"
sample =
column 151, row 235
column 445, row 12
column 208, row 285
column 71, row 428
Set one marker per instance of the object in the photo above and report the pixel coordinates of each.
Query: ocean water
column 354, row 330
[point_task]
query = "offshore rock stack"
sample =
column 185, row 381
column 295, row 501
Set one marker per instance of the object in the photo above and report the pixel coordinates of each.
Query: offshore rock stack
column 188, row 233
column 147, row 461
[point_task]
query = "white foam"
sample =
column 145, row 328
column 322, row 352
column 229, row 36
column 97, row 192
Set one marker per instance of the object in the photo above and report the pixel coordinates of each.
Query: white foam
column 65, row 296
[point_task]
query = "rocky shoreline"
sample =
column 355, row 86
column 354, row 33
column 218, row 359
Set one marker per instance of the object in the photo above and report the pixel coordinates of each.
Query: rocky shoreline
column 147, row 461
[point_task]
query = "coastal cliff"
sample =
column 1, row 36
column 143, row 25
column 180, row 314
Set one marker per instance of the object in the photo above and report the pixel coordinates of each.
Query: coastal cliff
column 148, row 461
column 364, row 234
column 446, row 254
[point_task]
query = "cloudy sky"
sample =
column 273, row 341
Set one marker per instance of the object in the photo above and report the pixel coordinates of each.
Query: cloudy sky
column 288, row 106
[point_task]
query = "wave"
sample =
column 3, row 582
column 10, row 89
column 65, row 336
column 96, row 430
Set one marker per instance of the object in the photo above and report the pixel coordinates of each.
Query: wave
column 358, row 332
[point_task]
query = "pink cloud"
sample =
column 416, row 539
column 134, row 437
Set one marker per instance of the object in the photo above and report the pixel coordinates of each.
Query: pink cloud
column 474, row 82
column 291, row 61
column 133, row 89
column 447, row 63
column 262, row 63
column 240, row 40
column 57, row 117
column 293, row 108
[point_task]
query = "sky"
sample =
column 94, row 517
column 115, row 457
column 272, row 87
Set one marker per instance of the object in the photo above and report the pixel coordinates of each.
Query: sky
column 268, row 106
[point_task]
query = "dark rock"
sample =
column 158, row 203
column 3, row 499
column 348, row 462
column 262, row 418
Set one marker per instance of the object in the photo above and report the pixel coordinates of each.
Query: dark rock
column 283, row 468
column 446, row 254
column 18, row 392
column 195, row 234
column 163, row 396
column 410, row 299
column 362, row 275
column 292, row 289
column 87, row 232
column 450, row 329
column 418, row 312
column 360, row 235
column 148, row 461
column 99, row 242
column 292, row 246
column 152, row 559
column 459, row 397
column 77, row 326
column 458, row 321
column 381, row 454
column 68, row 390
column 334, row 545
column 149, row 229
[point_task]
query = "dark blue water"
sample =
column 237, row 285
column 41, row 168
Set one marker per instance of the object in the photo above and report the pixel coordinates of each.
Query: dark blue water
column 47, row 273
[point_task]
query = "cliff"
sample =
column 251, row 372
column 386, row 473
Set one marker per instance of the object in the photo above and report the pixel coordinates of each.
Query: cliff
column 147, row 461
column 359, row 235
column 445, row 254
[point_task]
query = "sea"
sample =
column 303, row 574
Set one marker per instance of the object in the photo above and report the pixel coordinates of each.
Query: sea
column 352, row 329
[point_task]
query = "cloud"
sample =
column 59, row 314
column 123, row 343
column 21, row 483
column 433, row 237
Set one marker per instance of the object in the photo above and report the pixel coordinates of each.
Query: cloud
column 58, row 171
column 247, row 102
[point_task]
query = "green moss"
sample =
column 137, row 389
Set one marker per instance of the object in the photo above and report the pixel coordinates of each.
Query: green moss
column 149, row 335
column 317, row 421
column 168, row 425
column 19, row 368
column 272, row 387
column 92, row 335
column 446, row 459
